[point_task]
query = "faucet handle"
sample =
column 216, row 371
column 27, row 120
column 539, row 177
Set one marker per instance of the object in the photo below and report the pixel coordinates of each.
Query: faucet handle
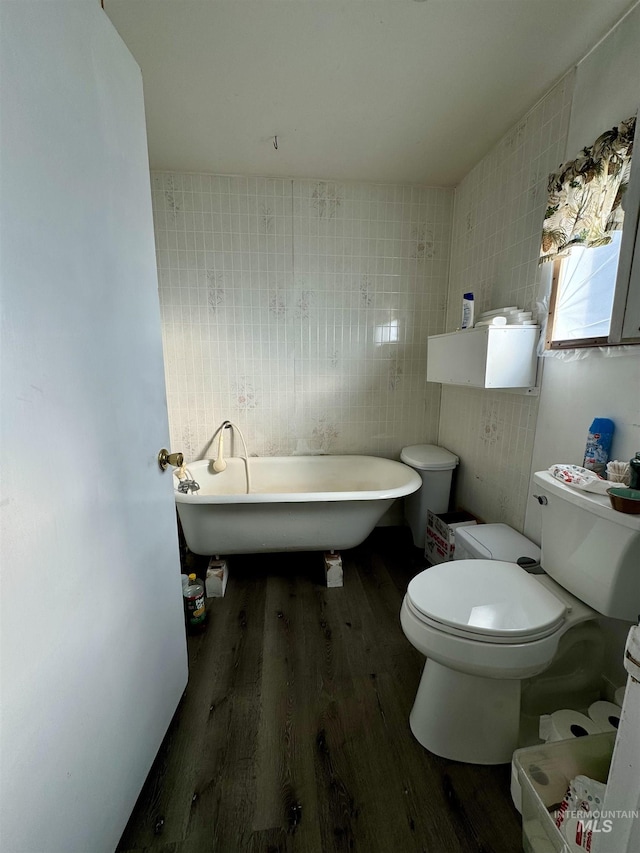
column 165, row 458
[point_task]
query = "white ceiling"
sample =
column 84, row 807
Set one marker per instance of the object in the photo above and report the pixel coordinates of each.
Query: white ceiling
column 372, row 90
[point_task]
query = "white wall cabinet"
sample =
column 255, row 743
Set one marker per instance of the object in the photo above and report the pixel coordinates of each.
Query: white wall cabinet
column 486, row 357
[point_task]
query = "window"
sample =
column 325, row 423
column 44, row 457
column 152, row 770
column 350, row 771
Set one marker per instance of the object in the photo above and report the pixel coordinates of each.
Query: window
column 582, row 238
column 582, row 295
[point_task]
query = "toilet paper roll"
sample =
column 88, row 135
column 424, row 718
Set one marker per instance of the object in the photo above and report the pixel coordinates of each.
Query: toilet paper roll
column 493, row 321
column 606, row 715
column 549, row 782
column 619, row 695
column 565, row 724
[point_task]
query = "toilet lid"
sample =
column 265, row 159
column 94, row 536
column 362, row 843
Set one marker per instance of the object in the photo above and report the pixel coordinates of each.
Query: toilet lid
column 487, row 597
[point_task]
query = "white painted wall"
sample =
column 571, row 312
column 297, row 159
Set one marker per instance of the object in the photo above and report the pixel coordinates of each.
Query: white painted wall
column 607, row 89
column 93, row 649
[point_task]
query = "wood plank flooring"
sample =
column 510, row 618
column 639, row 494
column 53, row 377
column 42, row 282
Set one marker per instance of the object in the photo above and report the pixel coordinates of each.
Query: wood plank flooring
column 293, row 733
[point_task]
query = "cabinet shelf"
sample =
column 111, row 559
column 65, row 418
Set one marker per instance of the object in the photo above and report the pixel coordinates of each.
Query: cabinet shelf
column 485, row 357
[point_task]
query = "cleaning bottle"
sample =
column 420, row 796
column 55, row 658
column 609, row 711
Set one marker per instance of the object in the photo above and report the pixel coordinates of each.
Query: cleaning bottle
column 634, row 472
column 195, row 608
column 599, row 438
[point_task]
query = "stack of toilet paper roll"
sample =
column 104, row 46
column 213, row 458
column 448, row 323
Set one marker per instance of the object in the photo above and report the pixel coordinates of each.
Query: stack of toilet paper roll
column 565, row 724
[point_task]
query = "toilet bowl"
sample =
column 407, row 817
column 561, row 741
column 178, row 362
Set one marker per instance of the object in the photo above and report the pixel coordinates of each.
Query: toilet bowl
column 574, row 677
column 483, row 625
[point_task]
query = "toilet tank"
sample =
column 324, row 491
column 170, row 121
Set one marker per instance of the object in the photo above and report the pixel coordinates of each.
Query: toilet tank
column 589, row 548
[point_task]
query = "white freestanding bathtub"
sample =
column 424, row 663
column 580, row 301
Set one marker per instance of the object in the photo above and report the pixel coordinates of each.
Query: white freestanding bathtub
column 296, row 503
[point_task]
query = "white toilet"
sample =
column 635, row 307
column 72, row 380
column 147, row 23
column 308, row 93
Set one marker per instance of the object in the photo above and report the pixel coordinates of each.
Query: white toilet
column 574, row 679
column 484, row 625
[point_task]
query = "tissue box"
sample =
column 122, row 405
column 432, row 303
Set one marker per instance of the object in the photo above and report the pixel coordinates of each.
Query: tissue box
column 440, row 539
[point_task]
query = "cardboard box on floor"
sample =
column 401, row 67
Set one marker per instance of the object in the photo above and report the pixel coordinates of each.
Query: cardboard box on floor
column 440, row 537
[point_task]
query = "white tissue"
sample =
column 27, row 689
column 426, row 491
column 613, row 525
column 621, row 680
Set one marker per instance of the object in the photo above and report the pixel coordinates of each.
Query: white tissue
column 493, row 321
column 606, row 715
column 565, row 724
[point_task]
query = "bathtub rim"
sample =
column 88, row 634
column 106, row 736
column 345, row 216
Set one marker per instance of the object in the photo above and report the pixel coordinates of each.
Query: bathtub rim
column 413, row 483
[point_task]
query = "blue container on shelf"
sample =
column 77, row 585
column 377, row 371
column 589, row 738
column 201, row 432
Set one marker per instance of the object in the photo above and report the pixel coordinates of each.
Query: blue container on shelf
column 599, row 438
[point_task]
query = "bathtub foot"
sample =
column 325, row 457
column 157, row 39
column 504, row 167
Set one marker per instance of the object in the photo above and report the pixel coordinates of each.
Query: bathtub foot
column 333, row 568
column 217, row 577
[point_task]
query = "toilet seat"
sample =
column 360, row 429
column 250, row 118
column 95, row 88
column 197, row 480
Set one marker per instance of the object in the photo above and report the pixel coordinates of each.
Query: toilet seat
column 485, row 600
column 462, row 634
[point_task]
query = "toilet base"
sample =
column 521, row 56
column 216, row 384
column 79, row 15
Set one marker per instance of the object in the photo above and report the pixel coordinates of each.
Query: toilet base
column 466, row 717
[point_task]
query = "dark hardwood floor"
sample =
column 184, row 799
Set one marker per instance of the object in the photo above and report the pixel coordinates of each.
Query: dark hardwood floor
column 293, row 733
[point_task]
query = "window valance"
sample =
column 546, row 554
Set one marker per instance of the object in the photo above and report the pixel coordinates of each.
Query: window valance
column 585, row 194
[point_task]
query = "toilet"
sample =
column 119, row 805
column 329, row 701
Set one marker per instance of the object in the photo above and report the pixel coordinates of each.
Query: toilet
column 574, row 679
column 435, row 466
column 486, row 624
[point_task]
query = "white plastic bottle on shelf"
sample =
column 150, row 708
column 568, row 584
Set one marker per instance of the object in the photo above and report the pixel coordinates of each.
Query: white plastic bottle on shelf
column 467, row 311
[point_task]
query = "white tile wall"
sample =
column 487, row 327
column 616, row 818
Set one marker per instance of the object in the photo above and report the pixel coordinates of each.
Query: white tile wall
column 499, row 209
column 300, row 310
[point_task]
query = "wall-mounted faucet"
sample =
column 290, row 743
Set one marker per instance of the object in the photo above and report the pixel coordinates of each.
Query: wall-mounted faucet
column 220, row 464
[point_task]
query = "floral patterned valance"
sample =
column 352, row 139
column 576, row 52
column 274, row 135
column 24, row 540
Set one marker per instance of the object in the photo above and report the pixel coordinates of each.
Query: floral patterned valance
column 585, row 194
